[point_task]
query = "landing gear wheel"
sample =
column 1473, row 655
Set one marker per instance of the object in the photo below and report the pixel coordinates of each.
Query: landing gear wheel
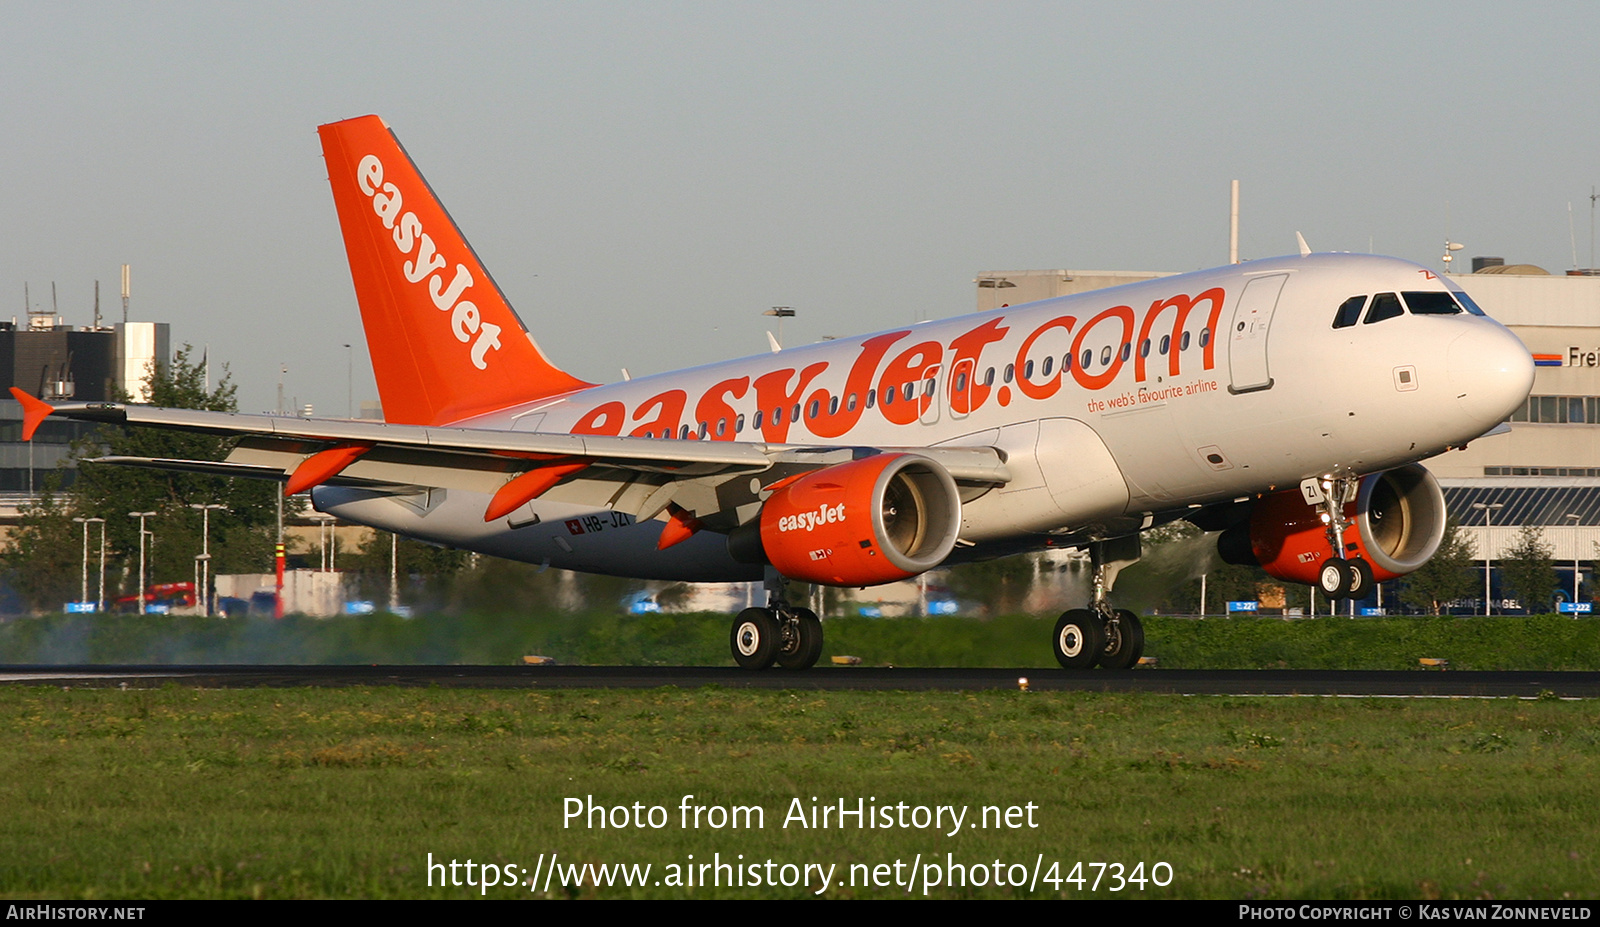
column 755, row 638
column 1360, row 581
column 1079, row 639
column 1124, row 641
column 1333, row 577
column 801, row 643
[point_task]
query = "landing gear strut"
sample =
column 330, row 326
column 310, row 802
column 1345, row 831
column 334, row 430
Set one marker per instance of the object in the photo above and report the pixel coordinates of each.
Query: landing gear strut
column 1100, row 634
column 779, row 633
column 1338, row 577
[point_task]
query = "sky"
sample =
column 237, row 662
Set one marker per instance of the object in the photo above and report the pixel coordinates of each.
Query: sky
column 644, row 180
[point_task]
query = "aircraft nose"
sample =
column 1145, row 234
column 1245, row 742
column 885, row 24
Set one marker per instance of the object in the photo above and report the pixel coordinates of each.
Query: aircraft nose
column 1491, row 373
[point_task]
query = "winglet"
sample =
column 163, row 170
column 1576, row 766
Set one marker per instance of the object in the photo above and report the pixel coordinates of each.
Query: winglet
column 1300, row 239
column 34, row 412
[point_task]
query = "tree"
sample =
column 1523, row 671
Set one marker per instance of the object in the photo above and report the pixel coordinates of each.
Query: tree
column 1527, row 568
column 45, row 558
column 241, row 534
column 1001, row 584
column 426, row 572
column 1167, row 578
column 1448, row 575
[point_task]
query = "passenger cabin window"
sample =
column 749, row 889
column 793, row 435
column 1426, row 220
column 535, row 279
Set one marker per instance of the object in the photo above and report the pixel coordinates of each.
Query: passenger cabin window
column 1349, row 312
column 1384, row 306
column 1435, row 302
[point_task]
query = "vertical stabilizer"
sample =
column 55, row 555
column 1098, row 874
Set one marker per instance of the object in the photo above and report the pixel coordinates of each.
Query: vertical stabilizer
column 445, row 343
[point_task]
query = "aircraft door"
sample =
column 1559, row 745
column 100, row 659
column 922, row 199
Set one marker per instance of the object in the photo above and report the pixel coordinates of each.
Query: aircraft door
column 961, row 387
column 1247, row 337
column 928, row 389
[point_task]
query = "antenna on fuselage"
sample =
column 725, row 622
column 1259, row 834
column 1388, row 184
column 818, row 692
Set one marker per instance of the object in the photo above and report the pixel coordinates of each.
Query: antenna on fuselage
column 781, row 312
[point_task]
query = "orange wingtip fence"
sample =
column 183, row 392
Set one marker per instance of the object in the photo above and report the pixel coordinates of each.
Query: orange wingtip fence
column 34, row 412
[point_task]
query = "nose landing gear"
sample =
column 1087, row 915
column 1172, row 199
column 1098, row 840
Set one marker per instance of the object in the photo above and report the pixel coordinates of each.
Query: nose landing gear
column 1338, row 577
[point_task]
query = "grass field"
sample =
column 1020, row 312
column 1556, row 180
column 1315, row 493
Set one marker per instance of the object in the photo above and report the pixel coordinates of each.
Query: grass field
column 1538, row 642
column 345, row 793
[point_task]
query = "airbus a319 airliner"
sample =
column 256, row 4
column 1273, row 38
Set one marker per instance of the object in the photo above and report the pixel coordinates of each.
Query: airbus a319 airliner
column 1284, row 403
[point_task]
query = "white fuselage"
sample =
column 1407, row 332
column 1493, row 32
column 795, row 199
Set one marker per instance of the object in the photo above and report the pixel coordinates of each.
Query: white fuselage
column 1114, row 408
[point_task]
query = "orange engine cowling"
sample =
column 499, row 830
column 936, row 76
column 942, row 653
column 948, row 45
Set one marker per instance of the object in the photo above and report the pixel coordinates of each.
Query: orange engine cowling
column 874, row 520
column 1396, row 523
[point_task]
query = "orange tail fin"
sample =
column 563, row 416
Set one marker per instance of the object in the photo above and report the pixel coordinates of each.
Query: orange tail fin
column 445, row 343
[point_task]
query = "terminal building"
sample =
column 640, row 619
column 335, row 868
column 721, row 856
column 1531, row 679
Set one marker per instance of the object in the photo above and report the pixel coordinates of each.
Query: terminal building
column 1544, row 472
column 62, row 363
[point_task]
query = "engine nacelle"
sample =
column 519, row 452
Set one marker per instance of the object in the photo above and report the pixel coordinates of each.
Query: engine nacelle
column 874, row 520
column 1396, row 524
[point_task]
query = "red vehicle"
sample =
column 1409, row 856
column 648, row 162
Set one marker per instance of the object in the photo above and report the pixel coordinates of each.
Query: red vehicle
column 159, row 596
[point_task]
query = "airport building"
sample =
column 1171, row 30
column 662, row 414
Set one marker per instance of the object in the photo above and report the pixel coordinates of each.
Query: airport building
column 1545, row 471
column 61, row 363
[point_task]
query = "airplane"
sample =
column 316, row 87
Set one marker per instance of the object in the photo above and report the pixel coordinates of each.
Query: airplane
column 1284, row 403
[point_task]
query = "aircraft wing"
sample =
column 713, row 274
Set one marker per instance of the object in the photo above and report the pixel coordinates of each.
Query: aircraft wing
column 642, row 476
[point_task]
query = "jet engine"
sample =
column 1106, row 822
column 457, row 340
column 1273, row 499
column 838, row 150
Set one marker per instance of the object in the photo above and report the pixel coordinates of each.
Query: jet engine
column 875, row 520
column 1396, row 523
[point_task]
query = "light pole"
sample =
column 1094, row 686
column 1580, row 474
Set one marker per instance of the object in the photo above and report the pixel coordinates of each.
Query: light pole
column 394, row 573
column 1488, row 547
column 84, row 596
column 205, row 553
column 141, row 516
column 324, row 528
column 100, row 603
column 1576, row 521
column 781, row 312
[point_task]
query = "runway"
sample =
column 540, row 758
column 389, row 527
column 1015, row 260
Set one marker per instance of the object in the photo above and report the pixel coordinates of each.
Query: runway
column 1351, row 683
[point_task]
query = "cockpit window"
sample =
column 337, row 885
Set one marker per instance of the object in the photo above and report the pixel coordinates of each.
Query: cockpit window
column 1384, row 306
column 1467, row 303
column 1349, row 312
column 1435, row 302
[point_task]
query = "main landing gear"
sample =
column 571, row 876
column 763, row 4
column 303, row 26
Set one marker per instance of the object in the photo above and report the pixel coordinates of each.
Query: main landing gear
column 1102, row 635
column 1338, row 577
column 779, row 633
